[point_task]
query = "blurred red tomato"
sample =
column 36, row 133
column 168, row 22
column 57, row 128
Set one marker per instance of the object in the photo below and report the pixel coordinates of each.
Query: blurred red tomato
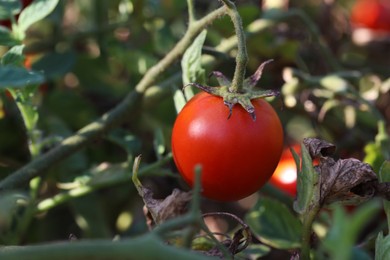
column 371, row 14
column 285, row 174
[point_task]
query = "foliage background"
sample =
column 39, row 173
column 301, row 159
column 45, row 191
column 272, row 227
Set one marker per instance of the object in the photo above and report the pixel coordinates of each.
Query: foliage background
column 92, row 53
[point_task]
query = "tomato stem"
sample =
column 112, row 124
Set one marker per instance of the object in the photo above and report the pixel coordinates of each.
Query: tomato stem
column 307, row 231
column 242, row 55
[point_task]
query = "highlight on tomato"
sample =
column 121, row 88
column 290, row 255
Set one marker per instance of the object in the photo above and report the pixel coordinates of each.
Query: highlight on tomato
column 238, row 154
column 285, row 174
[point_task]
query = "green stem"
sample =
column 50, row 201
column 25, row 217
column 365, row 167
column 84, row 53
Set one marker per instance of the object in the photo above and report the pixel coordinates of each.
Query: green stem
column 112, row 118
column 191, row 11
column 195, row 209
column 242, row 55
column 307, row 231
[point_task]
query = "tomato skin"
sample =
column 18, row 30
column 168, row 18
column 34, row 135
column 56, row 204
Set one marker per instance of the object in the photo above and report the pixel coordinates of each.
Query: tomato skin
column 371, row 14
column 237, row 155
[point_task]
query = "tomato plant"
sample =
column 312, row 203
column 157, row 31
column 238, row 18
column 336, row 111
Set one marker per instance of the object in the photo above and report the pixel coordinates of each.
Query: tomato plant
column 238, row 155
column 371, row 14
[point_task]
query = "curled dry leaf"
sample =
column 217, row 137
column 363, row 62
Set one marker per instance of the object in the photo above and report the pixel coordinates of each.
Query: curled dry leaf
column 339, row 179
column 318, row 148
column 158, row 211
column 345, row 180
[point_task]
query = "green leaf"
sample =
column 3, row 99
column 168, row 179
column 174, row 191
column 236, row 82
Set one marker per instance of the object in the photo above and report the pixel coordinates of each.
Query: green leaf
column 379, row 151
column 179, row 100
column 12, row 76
column 55, row 64
column 373, row 156
column 384, row 172
column 8, row 8
column 384, row 176
column 6, row 38
column 382, row 247
column 274, row 224
column 35, row 12
column 343, row 234
column 191, row 64
column 14, row 56
column 307, row 183
column 334, row 83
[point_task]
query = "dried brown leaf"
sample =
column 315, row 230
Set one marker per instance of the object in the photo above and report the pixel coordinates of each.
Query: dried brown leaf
column 318, row 148
column 349, row 181
column 339, row 178
column 161, row 210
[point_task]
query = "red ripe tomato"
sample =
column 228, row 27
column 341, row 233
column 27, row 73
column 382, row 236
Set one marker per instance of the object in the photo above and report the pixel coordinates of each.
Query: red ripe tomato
column 371, row 14
column 237, row 155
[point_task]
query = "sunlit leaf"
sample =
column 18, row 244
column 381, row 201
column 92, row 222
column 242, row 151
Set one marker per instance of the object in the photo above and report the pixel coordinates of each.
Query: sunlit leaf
column 378, row 151
column 35, row 12
column 14, row 56
column 334, row 83
column 191, row 64
column 179, row 100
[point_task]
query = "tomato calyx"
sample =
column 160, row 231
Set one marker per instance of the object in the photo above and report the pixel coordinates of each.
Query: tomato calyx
column 231, row 98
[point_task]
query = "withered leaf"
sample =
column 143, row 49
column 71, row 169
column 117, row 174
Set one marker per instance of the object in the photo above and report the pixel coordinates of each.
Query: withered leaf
column 339, row 178
column 349, row 181
column 160, row 210
column 172, row 206
column 318, row 148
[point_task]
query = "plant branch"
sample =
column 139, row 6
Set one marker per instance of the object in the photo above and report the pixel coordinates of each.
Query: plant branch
column 64, row 197
column 307, row 231
column 112, row 118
